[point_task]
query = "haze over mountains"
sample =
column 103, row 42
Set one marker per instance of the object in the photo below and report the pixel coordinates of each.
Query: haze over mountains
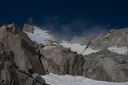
column 27, row 56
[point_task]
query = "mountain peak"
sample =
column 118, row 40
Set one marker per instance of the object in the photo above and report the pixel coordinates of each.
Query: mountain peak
column 28, row 28
column 13, row 28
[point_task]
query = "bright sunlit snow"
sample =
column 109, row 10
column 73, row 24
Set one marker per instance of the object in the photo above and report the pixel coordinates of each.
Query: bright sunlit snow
column 42, row 33
column 118, row 50
column 80, row 49
column 89, row 51
column 74, row 47
column 37, row 38
column 54, row 79
column 39, row 35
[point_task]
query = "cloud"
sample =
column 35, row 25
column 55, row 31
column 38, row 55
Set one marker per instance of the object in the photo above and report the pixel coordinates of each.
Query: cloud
column 95, row 30
column 82, row 29
column 67, row 29
column 30, row 20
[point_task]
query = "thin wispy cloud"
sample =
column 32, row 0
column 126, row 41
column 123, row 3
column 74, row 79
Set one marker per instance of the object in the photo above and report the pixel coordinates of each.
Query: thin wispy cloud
column 76, row 27
column 30, row 20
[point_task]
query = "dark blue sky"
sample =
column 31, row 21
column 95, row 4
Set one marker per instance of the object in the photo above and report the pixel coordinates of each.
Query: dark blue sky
column 66, row 13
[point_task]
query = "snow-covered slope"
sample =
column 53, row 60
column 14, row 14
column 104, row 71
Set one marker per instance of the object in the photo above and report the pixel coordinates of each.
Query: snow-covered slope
column 118, row 50
column 40, row 36
column 80, row 49
column 88, row 51
column 39, row 39
column 42, row 33
column 54, row 79
column 74, row 47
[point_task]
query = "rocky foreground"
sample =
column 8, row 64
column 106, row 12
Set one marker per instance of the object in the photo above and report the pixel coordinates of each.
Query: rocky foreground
column 20, row 63
column 22, row 60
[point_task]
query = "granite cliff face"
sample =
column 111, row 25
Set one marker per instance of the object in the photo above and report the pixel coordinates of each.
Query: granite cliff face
column 26, row 54
column 18, row 57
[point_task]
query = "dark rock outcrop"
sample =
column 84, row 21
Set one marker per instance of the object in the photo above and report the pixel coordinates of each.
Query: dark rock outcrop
column 17, row 56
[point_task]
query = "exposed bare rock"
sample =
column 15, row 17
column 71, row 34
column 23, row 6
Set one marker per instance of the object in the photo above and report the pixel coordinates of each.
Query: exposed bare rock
column 111, row 38
column 10, row 75
column 24, row 54
column 17, row 56
column 102, row 65
column 105, row 66
column 56, row 60
column 28, row 28
column 38, row 78
column 22, row 61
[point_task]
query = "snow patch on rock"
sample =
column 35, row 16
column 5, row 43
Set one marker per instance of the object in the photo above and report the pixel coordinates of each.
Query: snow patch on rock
column 37, row 38
column 40, row 36
column 89, row 51
column 42, row 33
column 80, row 49
column 118, row 50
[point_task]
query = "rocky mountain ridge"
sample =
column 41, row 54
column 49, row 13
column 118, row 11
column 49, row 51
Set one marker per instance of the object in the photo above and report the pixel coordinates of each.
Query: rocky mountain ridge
column 23, row 58
column 92, row 65
column 18, row 56
column 111, row 38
